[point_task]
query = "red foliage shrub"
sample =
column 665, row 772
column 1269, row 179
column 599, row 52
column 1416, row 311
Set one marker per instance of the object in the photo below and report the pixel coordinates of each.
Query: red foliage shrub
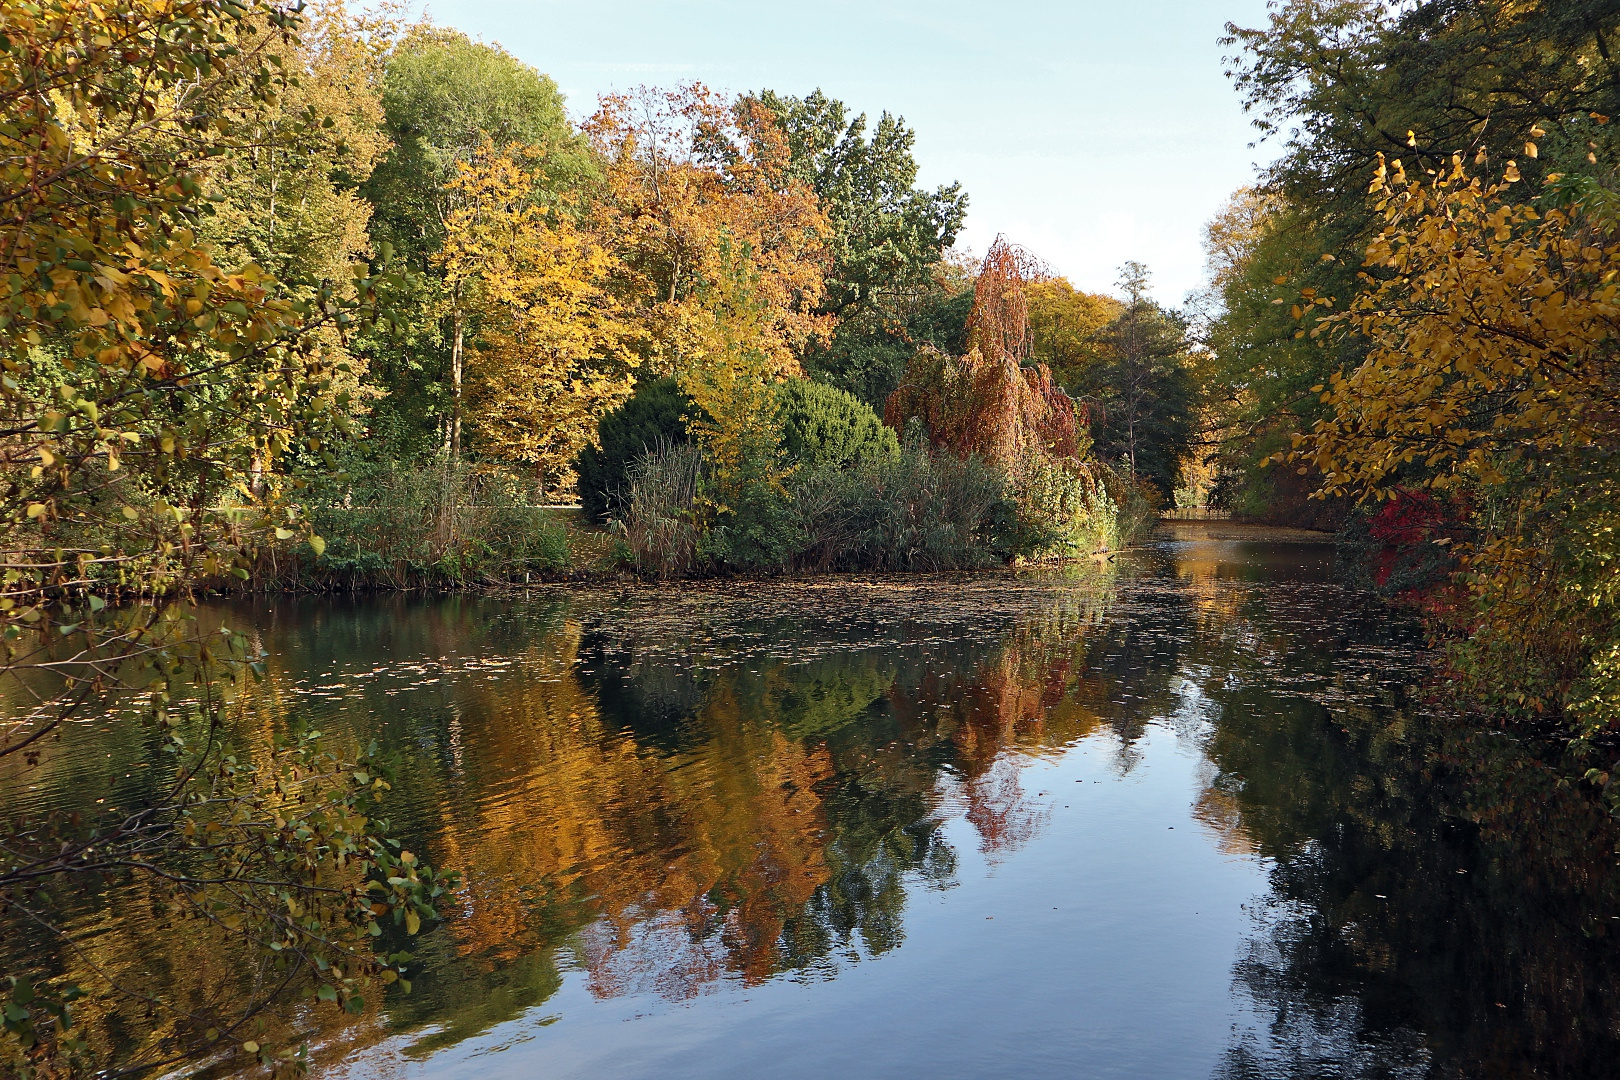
column 1407, row 547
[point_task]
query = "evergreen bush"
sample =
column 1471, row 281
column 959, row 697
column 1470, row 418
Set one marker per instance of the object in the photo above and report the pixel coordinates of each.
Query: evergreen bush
column 825, row 427
column 653, row 415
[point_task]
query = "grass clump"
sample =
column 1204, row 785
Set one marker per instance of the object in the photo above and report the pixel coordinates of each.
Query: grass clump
column 393, row 525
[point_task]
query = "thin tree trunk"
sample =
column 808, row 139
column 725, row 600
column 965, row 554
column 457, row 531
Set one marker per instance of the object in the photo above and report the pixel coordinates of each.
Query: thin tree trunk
column 454, row 447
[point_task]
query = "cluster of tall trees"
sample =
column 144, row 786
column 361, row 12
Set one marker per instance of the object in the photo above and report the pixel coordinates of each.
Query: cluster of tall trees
column 727, row 242
column 540, row 268
column 1415, row 310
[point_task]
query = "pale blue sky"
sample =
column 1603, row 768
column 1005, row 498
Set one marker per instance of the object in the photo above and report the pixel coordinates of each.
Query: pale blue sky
column 1090, row 132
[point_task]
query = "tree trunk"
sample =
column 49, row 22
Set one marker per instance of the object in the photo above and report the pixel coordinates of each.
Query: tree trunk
column 454, row 434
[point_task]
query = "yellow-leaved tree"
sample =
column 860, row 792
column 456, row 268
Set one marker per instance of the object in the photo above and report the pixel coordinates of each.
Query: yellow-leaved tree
column 1066, row 327
column 1491, row 323
column 721, row 259
column 551, row 352
column 730, row 377
column 152, row 395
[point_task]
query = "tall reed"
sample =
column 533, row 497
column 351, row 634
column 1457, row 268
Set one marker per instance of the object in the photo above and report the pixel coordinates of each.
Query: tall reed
column 659, row 516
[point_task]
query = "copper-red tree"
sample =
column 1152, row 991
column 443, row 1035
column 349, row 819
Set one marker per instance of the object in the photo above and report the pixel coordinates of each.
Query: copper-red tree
column 989, row 402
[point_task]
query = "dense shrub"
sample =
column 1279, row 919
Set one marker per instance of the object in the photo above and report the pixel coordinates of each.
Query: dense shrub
column 654, row 413
column 402, row 526
column 916, row 510
column 1136, row 504
column 1064, row 509
column 824, row 427
column 920, row 510
column 1403, row 547
column 758, row 530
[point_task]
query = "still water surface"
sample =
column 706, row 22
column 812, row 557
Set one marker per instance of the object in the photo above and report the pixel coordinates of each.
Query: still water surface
column 1184, row 816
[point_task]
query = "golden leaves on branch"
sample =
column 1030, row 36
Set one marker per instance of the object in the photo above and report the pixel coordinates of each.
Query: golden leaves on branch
column 1489, row 323
column 696, row 191
column 553, row 350
column 720, row 257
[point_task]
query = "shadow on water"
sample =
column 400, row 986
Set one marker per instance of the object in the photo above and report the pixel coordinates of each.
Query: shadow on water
column 674, row 795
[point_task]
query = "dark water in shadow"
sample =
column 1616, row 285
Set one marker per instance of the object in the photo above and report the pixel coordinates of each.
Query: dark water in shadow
column 1180, row 817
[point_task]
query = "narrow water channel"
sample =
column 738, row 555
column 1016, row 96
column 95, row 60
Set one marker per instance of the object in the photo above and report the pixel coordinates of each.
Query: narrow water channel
column 1186, row 815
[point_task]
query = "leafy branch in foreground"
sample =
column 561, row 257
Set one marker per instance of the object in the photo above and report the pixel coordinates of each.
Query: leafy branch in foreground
column 1492, row 326
column 279, row 864
column 152, row 404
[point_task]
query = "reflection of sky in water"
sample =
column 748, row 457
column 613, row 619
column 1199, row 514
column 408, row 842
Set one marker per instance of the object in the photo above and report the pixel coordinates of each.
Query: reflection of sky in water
column 1103, row 948
column 1175, row 818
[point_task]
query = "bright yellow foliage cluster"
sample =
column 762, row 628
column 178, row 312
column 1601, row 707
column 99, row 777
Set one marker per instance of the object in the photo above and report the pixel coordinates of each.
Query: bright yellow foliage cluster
column 731, row 381
column 1491, row 327
column 695, row 192
column 553, row 352
column 1065, row 327
column 1492, row 372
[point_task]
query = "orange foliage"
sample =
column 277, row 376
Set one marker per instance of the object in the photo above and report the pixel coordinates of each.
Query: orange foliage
column 998, row 323
column 989, row 402
column 691, row 183
column 592, row 814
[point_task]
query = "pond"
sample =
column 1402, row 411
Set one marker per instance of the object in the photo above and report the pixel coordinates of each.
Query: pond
column 1183, row 815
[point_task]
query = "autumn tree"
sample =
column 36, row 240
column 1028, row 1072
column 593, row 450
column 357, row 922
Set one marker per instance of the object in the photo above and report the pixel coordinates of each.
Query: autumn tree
column 1332, row 86
column 720, row 259
column 696, row 191
column 1491, row 322
column 888, row 277
column 443, row 96
column 288, row 198
column 988, row 402
column 151, row 401
column 1066, row 327
column 550, row 353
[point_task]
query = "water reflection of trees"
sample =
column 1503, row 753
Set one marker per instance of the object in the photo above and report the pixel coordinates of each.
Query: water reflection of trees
column 674, row 818
column 671, row 800
column 665, row 812
column 1441, row 903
